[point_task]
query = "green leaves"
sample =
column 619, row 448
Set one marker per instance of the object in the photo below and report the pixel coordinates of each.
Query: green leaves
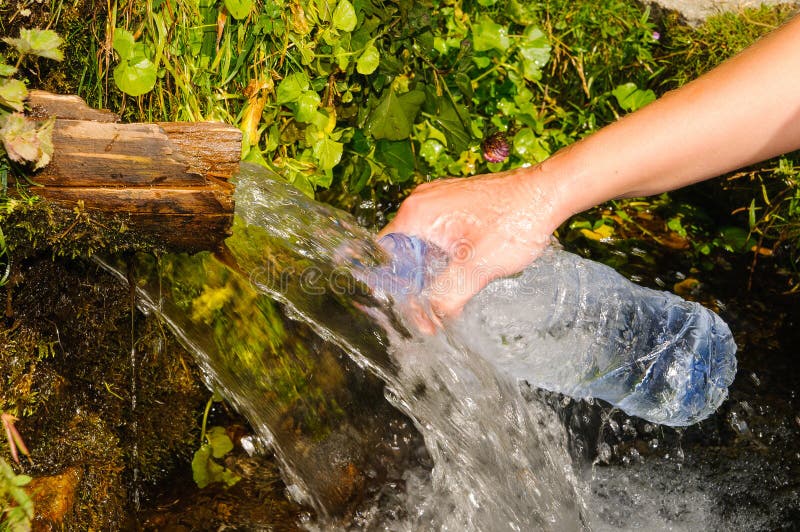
column 292, row 87
column 306, row 106
column 369, row 60
column 328, row 152
column 205, row 469
column 25, row 143
column 43, row 43
column 398, row 159
column 239, row 9
column 488, row 35
column 22, row 140
column 135, row 74
column 13, row 93
column 534, row 51
column 393, row 117
column 294, row 91
column 529, row 147
column 344, row 16
column 631, row 98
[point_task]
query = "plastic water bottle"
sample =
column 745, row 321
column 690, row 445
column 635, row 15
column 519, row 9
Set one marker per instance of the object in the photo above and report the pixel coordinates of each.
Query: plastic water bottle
column 574, row 326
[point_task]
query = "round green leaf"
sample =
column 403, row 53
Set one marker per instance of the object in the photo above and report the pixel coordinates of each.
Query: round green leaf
column 534, row 52
column 344, row 16
column 529, row 147
column 306, row 106
column 369, row 60
column 123, row 43
column 291, row 87
column 431, row 150
column 219, row 441
column 239, row 9
column 136, row 76
column 631, row 98
column 488, row 35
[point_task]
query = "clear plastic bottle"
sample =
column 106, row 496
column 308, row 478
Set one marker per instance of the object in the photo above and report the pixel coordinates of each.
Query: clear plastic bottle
column 574, row 326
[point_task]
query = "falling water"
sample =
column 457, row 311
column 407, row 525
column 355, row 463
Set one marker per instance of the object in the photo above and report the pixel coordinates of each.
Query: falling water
column 286, row 331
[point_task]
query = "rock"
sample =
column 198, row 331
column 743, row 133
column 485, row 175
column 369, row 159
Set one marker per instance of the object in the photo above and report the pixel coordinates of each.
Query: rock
column 696, row 11
column 54, row 498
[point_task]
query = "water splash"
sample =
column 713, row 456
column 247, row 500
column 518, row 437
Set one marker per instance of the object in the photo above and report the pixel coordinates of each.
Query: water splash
column 284, row 326
column 499, row 461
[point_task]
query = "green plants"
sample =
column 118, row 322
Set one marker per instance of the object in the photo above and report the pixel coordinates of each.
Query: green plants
column 24, row 141
column 215, row 445
column 17, row 506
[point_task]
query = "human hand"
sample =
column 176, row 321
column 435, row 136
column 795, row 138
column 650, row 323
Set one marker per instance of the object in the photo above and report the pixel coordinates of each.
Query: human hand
column 490, row 225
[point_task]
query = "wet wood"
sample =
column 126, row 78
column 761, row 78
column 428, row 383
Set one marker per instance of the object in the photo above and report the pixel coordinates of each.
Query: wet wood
column 168, row 179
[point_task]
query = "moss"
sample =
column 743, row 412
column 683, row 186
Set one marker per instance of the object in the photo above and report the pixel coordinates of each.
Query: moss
column 31, row 226
column 65, row 349
column 689, row 52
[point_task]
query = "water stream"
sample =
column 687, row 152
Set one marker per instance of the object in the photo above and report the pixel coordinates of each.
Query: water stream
column 405, row 431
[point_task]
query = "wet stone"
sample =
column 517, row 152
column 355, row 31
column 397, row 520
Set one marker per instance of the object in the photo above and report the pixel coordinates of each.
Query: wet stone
column 54, row 499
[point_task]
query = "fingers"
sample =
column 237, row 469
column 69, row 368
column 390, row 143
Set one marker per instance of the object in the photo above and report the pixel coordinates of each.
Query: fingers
column 467, row 274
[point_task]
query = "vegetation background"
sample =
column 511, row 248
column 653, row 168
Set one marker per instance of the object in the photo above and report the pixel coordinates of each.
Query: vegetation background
column 357, row 101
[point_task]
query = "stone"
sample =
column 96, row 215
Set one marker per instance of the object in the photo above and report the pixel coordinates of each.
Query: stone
column 54, row 498
column 696, row 11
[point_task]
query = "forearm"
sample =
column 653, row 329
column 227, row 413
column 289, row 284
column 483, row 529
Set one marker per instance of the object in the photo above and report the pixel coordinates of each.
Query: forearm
column 744, row 111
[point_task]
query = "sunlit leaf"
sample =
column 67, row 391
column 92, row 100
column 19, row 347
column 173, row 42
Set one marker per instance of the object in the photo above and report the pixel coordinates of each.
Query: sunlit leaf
column 43, row 43
column 219, row 441
column 342, row 57
column 13, row 93
column 291, row 87
column 7, row 70
column 124, row 43
column 328, row 152
column 431, row 150
column 239, row 9
column 604, row 232
column 535, row 52
column 19, row 138
column 344, row 16
column 393, row 118
column 135, row 76
column 369, row 60
column 530, row 147
column 488, row 35
column 631, row 98
column 306, row 106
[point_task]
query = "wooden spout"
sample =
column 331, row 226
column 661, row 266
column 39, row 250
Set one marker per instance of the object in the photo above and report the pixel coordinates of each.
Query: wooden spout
column 170, row 180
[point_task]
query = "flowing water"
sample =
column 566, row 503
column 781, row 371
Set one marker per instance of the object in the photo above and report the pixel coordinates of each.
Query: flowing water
column 333, row 377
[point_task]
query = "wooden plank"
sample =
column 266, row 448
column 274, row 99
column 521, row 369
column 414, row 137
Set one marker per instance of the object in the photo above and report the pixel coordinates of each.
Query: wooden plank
column 121, row 155
column 213, row 148
column 144, row 200
column 168, row 181
column 45, row 104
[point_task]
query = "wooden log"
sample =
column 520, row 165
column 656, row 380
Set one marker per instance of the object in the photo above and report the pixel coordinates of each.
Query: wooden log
column 169, row 180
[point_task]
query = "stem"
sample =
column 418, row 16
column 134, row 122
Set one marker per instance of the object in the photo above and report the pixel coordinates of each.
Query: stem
column 205, row 419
